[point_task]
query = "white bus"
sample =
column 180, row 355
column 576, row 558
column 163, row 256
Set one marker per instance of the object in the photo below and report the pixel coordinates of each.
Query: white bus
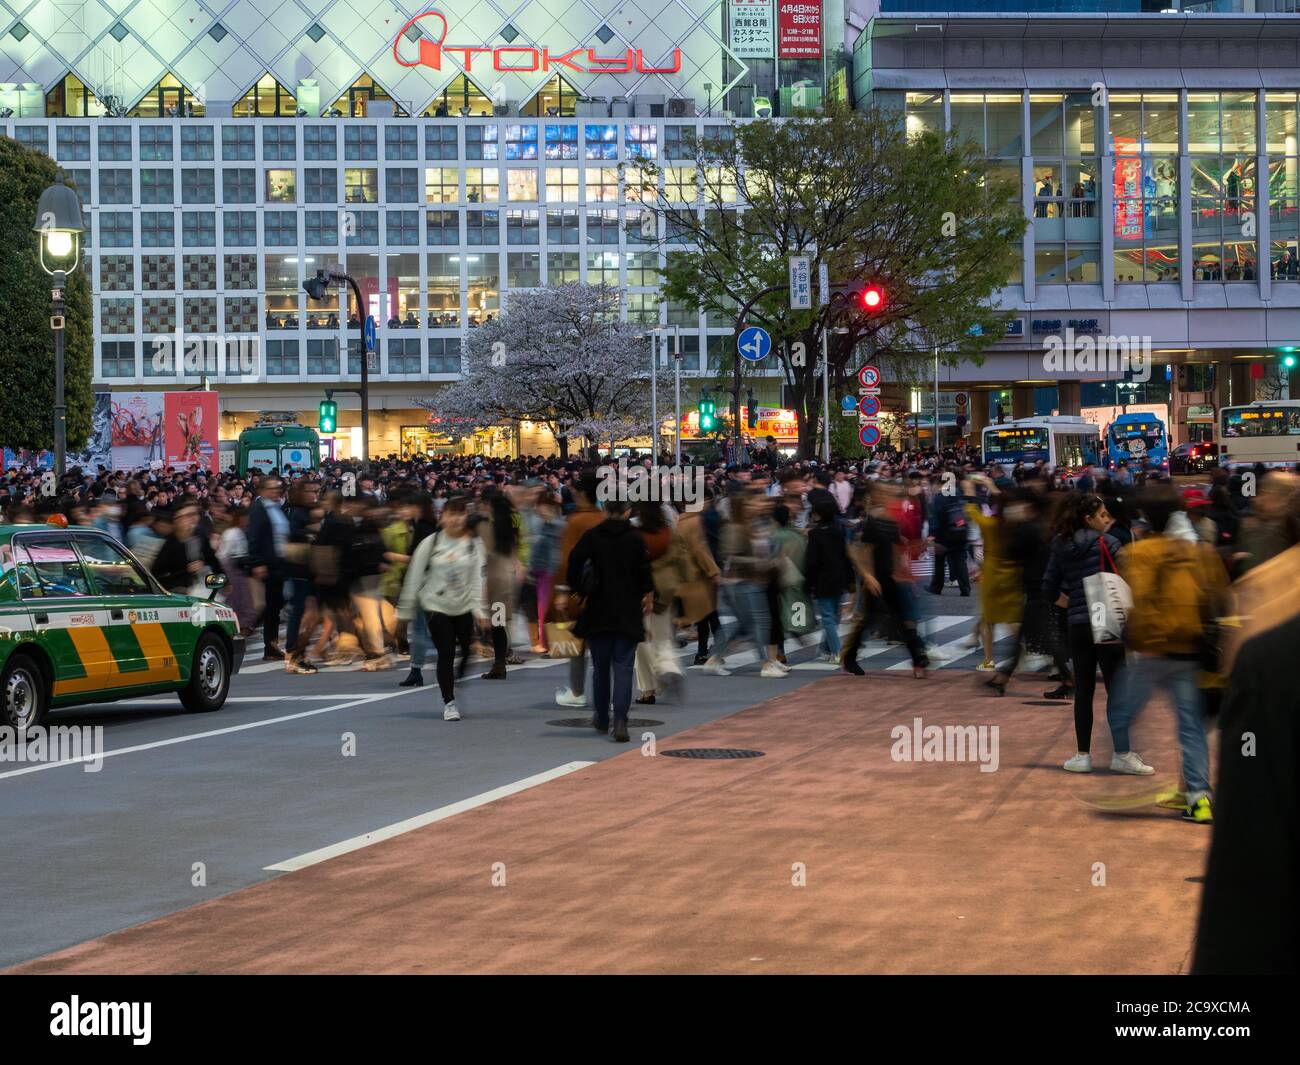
column 1266, row 431
column 1058, row 440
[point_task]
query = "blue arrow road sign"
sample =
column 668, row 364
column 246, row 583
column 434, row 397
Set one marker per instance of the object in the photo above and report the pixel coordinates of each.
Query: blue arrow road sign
column 754, row 343
column 370, row 332
column 849, row 405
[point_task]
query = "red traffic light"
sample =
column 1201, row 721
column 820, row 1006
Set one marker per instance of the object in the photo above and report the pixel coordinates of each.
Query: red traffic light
column 873, row 298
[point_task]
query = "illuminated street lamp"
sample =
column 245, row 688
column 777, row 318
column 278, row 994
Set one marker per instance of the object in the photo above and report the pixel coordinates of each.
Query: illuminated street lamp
column 58, row 221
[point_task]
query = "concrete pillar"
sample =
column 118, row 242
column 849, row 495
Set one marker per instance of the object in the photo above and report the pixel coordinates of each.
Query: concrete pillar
column 1243, row 387
column 977, row 411
column 1222, row 384
column 1069, row 396
column 1022, row 401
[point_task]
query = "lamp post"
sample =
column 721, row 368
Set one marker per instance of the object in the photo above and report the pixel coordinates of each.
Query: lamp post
column 58, row 221
column 317, row 288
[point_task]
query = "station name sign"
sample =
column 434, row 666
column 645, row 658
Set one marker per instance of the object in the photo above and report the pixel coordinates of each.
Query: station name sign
column 515, row 59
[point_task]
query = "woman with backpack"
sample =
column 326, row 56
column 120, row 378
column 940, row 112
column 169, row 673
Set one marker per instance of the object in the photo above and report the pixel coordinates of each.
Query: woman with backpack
column 1081, row 548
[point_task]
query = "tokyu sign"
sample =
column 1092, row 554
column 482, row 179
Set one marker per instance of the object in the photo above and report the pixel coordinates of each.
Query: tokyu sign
column 515, row 59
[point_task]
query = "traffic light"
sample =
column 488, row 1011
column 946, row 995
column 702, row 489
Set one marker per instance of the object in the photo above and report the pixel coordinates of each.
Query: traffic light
column 708, row 413
column 751, row 411
column 872, row 298
column 327, row 416
column 865, row 297
column 1289, row 359
column 317, row 287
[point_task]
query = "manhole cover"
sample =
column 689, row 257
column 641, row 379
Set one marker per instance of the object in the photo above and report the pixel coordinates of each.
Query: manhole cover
column 585, row 722
column 1047, row 702
column 717, row 753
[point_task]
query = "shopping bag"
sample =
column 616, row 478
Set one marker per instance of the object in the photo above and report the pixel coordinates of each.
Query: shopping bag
column 1109, row 601
column 697, row 600
column 797, row 614
column 560, row 641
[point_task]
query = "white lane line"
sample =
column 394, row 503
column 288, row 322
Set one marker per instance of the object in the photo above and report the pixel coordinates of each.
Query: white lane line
column 356, row 843
column 164, row 701
column 361, row 701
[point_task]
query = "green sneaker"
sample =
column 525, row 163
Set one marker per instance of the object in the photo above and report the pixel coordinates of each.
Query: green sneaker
column 1172, row 800
column 1199, row 812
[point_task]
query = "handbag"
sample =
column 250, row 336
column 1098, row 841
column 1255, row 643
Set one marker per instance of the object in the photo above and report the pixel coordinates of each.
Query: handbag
column 1109, row 600
column 560, row 641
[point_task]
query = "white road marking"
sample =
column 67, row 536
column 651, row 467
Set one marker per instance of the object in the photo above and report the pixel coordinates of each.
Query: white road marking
column 356, row 843
column 361, row 701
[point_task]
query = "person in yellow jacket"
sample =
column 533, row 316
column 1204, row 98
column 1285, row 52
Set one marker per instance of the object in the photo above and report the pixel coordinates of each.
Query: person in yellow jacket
column 1002, row 598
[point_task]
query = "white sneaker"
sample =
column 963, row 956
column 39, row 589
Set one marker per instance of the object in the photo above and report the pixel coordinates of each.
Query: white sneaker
column 714, row 667
column 972, row 641
column 450, row 713
column 772, row 669
column 1131, row 764
column 1080, row 763
column 935, row 653
column 1035, row 663
column 833, row 659
column 566, row 697
column 780, row 665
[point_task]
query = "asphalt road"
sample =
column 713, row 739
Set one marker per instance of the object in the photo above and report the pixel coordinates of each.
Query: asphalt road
column 189, row 807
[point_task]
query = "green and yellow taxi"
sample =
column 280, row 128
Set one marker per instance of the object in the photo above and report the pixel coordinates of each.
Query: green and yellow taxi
column 81, row 621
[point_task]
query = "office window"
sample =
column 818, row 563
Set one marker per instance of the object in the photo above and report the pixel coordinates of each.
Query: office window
column 404, row 355
column 1143, row 139
column 481, row 142
column 322, row 228
column 158, row 273
column 281, row 228
column 482, row 227
column 440, row 142
column 198, row 185
column 117, row 358
column 523, row 269
column 114, row 143
column 116, row 229
column 681, row 184
column 400, row 142
column 602, row 226
column 200, row 314
column 680, row 141
column 521, row 185
column 402, row 184
column 561, row 227
column 562, row 184
column 281, row 186
column 116, row 273
column 279, row 143
column 38, row 139
column 155, row 143
column 642, row 141
column 444, row 290
column 563, row 267
column 442, row 184
column 237, row 143
column 157, row 229
column 199, row 272
column 642, row 269
column 241, row 314
column 641, row 226
column 156, row 186
column 602, row 184
column 73, row 143
column 444, row 355
column 196, row 143
column 199, row 229
column 320, row 185
column 602, row 268
column 482, row 184
column 323, row 358
column 443, row 227
column 239, row 229
column 238, row 186
column 117, row 315
column 360, row 142
column 561, row 142
column 354, row 357
column 283, row 296
column 403, row 227
column 79, row 179
column 282, row 358
column 601, row 141
column 521, row 142
column 115, row 186
column 361, row 185
column 365, row 228
column 318, row 142
column 482, row 287
column 522, row 227
column 159, row 316
column 719, row 186
column 240, row 271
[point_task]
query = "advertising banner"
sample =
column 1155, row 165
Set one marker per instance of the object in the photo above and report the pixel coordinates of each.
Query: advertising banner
column 160, row 429
column 800, row 29
column 99, row 445
column 190, row 430
column 137, row 429
column 752, row 29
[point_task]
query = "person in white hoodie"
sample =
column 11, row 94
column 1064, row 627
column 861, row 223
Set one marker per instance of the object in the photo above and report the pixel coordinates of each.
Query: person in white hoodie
column 445, row 577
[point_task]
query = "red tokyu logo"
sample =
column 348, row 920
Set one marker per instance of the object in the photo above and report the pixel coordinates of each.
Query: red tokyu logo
column 514, row 59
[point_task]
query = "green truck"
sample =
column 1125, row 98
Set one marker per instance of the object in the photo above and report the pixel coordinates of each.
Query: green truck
column 81, row 621
column 283, row 448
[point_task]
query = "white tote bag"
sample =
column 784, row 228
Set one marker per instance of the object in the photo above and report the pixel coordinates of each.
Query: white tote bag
column 1109, row 600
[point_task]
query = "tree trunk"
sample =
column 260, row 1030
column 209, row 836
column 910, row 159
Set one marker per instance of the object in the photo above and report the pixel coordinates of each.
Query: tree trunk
column 564, row 447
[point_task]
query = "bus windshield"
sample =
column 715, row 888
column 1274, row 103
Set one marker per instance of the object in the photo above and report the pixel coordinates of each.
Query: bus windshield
column 1015, row 441
column 1261, row 421
column 1137, row 438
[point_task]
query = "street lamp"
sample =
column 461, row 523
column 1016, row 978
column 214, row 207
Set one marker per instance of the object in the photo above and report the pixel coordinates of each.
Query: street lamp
column 58, row 221
column 317, row 288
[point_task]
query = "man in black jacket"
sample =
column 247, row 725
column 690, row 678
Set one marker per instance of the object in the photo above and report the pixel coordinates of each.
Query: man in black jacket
column 268, row 532
column 949, row 531
column 610, row 570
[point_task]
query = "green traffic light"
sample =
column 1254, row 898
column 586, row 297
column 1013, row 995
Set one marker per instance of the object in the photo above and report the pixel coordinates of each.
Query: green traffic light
column 327, row 416
column 1288, row 361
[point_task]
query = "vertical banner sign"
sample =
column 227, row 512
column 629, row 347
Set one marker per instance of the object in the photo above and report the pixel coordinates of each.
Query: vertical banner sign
column 823, row 285
column 190, row 430
column 800, row 283
column 1128, row 189
column 752, row 33
column 799, row 25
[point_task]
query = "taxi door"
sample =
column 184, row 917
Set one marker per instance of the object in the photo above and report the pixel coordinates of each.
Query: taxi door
column 141, row 620
column 68, row 621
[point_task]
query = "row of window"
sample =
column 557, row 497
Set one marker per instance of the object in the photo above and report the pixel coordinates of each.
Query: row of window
column 282, row 358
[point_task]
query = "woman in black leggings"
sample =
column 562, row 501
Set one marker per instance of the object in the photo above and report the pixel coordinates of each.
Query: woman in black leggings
column 1081, row 547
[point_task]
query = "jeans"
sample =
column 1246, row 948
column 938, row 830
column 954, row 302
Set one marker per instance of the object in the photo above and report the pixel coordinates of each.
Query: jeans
column 420, row 641
column 614, row 653
column 828, row 611
column 299, row 592
column 274, row 604
column 1177, row 676
column 749, row 603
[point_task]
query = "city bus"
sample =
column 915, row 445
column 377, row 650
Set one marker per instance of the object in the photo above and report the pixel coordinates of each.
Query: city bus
column 283, row 448
column 1058, row 440
column 1266, row 431
column 1135, row 439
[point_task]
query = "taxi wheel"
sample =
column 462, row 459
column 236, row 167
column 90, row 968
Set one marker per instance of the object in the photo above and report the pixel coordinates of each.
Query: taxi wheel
column 24, row 693
column 210, row 676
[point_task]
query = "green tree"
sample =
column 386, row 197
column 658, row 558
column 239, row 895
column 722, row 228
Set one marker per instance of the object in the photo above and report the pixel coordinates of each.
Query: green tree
column 916, row 214
column 26, row 341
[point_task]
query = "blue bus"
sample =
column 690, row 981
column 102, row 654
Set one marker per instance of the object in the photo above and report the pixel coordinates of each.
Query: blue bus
column 1137, row 440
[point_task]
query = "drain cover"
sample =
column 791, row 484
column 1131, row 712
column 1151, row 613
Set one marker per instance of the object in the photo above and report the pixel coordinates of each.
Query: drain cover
column 1047, row 702
column 715, row 753
column 585, row 722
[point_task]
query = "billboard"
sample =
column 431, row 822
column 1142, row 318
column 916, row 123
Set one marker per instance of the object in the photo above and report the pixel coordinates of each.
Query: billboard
column 751, row 29
column 158, row 429
column 800, row 29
